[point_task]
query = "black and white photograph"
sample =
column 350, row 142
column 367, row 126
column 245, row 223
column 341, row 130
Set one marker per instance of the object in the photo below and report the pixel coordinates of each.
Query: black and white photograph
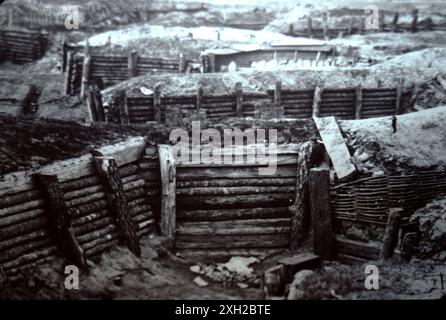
column 247, row 152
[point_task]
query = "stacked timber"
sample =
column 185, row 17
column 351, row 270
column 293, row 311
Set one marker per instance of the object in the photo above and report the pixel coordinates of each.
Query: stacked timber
column 147, row 65
column 338, row 102
column 219, row 106
column 223, row 207
column 25, row 238
column 372, row 199
column 297, row 103
column 23, row 46
column 149, row 170
column 140, row 109
column 343, row 202
column 403, row 191
column 431, row 184
column 249, row 99
column 378, row 102
column 110, row 68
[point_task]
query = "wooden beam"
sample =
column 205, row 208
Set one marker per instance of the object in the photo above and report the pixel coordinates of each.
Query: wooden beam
column 319, row 188
column 278, row 93
column 123, row 108
column 85, row 75
column 110, row 177
column 68, row 71
column 317, row 101
column 132, row 63
column 59, row 216
column 168, row 200
column 391, row 233
column 274, row 281
column 358, row 102
column 239, row 99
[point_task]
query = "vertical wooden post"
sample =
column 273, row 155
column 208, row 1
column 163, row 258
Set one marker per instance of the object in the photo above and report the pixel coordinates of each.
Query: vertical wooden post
column 391, row 233
column 399, row 95
column 59, row 217
column 413, row 27
column 291, row 29
column 358, row 102
column 317, row 101
column 318, row 56
column 99, row 106
column 238, row 100
column 168, row 199
column 64, row 54
column 211, row 62
column 109, row 175
column 157, row 102
column 68, row 73
column 182, row 63
column 278, row 93
column 123, row 108
column 132, row 63
column 199, row 97
column 325, row 25
column 319, row 188
column 10, row 18
column 91, row 105
column 296, row 53
column 381, row 17
column 309, row 28
column 395, row 22
column 85, row 70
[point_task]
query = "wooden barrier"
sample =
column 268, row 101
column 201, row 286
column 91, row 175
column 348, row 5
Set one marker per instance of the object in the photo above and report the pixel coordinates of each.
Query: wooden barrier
column 21, row 45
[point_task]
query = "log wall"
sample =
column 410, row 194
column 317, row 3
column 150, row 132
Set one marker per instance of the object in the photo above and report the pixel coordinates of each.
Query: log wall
column 22, row 46
column 26, row 237
column 342, row 103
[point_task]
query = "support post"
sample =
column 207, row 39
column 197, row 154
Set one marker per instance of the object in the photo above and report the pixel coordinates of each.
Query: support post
column 317, row 101
column 319, row 188
column 211, row 62
column 111, row 179
column 395, row 22
column 85, row 70
column 123, row 108
column 97, row 99
column 91, row 106
column 68, row 72
column 358, row 102
column 391, row 233
column 168, row 199
column 132, row 63
column 413, row 27
column 157, row 102
column 239, row 99
column 325, row 25
column 399, row 95
column 59, row 217
column 182, row 63
column 278, row 93
column 199, row 97
column 309, row 27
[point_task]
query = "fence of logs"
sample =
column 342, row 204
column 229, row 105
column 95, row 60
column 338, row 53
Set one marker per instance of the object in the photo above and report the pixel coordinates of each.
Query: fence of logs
column 22, row 46
column 348, row 103
column 78, row 207
column 104, row 69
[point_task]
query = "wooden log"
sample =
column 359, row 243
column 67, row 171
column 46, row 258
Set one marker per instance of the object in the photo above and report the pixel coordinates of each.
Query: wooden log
column 123, row 108
column 168, row 201
column 111, row 179
column 34, row 204
column 232, row 241
column 86, row 199
column 391, row 233
column 59, row 216
column 319, row 188
column 85, row 75
column 285, row 171
column 182, row 63
column 239, row 99
column 358, row 103
column 199, row 97
column 107, row 232
column 232, row 214
column 132, row 63
column 395, row 22
column 18, row 198
column 243, row 227
column 211, row 57
column 365, row 250
column 84, row 219
column 157, row 103
column 97, row 100
column 94, row 225
column 278, row 93
column 274, row 281
column 21, row 217
column 214, row 191
column 317, row 101
column 309, row 28
column 235, row 182
column 235, row 201
column 399, row 94
column 25, row 238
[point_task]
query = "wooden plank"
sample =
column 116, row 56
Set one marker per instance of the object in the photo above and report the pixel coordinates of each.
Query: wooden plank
column 319, row 188
column 335, row 146
column 168, row 200
column 232, row 241
column 286, row 171
column 59, row 216
column 111, row 179
column 232, row 214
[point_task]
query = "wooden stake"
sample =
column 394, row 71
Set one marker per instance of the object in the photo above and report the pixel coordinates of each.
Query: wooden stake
column 309, row 28
column 278, row 93
column 319, row 188
column 239, row 99
column 59, row 216
column 85, row 75
column 395, row 22
column 182, row 63
column 157, row 102
column 123, row 108
column 68, row 72
column 399, row 95
column 414, row 20
column 168, row 199
column 391, row 233
column 132, row 63
column 111, row 179
column 211, row 62
column 358, row 103
column 317, row 101
column 199, row 97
